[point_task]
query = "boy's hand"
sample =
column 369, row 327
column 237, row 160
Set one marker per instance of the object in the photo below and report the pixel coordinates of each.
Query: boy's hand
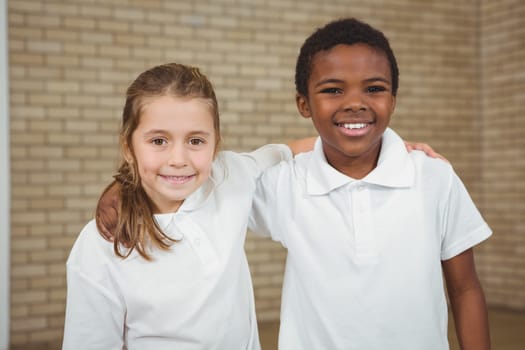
column 107, row 211
column 429, row 151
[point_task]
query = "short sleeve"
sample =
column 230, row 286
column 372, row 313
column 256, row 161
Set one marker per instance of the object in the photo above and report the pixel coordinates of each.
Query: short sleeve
column 464, row 227
column 94, row 312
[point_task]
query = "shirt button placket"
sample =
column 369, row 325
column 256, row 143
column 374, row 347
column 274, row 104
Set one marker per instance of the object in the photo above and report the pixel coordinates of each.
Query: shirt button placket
column 364, row 235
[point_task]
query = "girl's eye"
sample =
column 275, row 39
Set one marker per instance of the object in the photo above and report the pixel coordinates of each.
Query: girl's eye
column 375, row 89
column 331, row 90
column 158, row 142
column 196, row 142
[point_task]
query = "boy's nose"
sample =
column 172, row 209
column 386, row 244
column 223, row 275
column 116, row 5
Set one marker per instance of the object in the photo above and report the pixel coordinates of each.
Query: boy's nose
column 354, row 103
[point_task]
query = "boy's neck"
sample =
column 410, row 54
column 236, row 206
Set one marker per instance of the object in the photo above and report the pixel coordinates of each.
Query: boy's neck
column 356, row 171
column 355, row 167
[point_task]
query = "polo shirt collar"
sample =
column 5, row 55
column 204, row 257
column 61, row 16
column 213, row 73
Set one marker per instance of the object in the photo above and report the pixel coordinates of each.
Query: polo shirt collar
column 394, row 168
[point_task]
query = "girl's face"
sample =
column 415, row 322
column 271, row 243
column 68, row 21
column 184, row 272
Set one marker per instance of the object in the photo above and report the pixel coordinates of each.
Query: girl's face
column 350, row 102
column 174, row 147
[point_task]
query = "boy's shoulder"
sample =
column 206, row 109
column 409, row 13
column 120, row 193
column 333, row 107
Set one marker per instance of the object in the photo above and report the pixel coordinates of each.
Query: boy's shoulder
column 433, row 174
column 425, row 163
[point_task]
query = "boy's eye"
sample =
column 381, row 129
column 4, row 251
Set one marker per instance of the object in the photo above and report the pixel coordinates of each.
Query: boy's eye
column 375, row 89
column 331, row 90
column 158, row 142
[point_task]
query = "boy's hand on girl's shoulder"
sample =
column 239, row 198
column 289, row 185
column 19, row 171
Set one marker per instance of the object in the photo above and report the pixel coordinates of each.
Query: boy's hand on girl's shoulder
column 107, row 211
column 420, row 146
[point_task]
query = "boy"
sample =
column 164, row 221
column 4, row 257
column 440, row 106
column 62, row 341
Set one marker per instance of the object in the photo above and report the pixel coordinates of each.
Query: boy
column 369, row 227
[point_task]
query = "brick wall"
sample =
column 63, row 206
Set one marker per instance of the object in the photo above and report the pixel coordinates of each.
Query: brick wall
column 502, row 99
column 70, row 63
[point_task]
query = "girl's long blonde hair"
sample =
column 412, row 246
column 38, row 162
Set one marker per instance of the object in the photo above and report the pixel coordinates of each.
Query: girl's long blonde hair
column 136, row 226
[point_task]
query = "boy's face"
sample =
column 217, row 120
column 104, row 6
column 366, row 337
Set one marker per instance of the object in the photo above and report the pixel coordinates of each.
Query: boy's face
column 350, row 102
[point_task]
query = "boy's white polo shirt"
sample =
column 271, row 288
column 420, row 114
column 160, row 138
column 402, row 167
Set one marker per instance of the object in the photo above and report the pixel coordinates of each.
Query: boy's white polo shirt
column 196, row 296
column 363, row 269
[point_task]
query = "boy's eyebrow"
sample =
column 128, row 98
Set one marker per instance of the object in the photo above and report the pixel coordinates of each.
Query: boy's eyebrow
column 328, row 81
column 340, row 81
column 384, row 80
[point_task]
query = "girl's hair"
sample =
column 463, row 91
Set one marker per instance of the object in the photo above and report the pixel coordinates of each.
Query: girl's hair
column 136, row 227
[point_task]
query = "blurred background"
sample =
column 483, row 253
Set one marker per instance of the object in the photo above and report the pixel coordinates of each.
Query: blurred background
column 66, row 65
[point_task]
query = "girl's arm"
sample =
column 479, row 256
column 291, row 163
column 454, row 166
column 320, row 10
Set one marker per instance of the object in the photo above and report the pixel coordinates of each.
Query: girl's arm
column 95, row 309
column 419, row 146
column 467, row 301
column 108, row 203
column 94, row 320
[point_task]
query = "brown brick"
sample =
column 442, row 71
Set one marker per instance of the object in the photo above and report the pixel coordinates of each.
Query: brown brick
column 461, row 91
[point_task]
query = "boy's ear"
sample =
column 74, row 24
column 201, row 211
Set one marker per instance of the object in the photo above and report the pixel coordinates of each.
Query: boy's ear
column 393, row 104
column 303, row 106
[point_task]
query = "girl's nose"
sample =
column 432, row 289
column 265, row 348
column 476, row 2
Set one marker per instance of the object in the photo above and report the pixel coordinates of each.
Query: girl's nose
column 178, row 157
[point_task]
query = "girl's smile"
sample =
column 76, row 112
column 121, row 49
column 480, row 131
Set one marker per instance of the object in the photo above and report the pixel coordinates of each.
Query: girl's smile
column 177, row 180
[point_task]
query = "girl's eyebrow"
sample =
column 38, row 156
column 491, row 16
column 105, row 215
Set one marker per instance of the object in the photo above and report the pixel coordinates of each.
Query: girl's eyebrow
column 163, row 131
column 200, row 132
column 154, row 132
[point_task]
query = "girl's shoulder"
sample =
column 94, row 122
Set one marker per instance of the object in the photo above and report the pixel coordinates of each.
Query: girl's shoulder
column 90, row 248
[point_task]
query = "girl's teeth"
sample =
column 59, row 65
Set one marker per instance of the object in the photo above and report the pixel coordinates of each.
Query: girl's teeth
column 354, row 126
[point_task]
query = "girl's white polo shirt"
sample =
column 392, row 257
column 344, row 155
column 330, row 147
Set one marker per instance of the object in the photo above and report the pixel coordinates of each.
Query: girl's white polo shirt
column 197, row 295
column 363, row 269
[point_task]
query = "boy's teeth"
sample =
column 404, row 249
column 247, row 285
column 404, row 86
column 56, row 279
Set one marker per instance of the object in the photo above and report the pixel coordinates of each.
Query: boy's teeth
column 354, row 125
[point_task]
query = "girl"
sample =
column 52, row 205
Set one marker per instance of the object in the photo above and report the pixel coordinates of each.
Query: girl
column 176, row 275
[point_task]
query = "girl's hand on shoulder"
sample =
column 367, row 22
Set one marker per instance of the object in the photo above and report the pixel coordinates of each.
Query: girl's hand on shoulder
column 429, row 151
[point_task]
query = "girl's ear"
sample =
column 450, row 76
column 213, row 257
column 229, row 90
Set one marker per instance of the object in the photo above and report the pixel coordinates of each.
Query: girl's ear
column 303, row 106
column 127, row 153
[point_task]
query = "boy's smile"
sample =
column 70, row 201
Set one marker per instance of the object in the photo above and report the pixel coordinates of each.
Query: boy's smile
column 350, row 101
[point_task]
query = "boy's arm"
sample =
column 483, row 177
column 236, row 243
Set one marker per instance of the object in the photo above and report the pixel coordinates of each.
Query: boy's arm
column 107, row 211
column 467, row 301
column 307, row 144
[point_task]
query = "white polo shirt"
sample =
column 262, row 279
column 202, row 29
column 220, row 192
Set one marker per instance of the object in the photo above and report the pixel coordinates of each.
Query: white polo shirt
column 197, row 295
column 364, row 256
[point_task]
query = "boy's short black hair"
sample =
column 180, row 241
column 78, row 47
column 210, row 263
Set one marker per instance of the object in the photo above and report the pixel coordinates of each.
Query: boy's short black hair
column 345, row 31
